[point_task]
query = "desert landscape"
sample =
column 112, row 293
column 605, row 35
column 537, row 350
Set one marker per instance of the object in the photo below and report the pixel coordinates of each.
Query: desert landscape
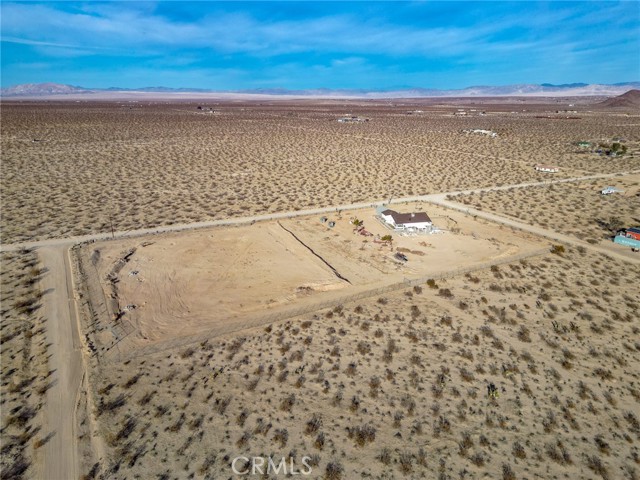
column 161, row 344
column 147, row 164
column 578, row 208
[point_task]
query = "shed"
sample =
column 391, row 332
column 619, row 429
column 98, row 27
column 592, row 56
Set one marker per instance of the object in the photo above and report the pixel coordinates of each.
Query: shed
column 629, row 238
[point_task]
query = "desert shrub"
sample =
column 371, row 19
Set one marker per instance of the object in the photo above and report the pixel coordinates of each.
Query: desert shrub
column 333, row 471
column 518, row 450
column 362, row 434
column 558, row 453
column 477, row 459
column 221, row 404
column 507, row 472
column 441, row 425
column 364, row 348
column 385, row 456
column 374, row 385
column 524, row 334
column 445, row 292
column 405, row 462
column 313, row 425
column 287, row 403
column 595, row 464
column 111, row 405
column 188, row 352
column 355, row 403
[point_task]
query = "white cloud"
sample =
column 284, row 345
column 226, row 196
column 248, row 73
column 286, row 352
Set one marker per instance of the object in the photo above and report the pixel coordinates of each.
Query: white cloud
column 136, row 29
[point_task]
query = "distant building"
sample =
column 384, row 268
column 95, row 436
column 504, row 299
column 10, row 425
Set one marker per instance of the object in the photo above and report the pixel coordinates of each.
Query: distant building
column 609, row 190
column 352, row 119
column 479, row 131
column 419, row 221
column 629, row 238
column 547, row 168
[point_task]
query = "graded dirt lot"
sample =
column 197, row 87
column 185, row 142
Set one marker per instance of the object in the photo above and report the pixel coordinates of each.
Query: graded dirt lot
column 175, row 285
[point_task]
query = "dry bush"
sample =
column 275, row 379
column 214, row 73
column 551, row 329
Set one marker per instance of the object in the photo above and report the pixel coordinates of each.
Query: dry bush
column 362, row 434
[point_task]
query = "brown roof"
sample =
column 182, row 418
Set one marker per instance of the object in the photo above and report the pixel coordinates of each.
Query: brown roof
column 408, row 218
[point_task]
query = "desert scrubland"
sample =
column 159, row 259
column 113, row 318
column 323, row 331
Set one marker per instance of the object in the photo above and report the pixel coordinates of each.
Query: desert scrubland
column 576, row 208
column 293, row 339
column 87, row 167
column 25, row 370
column 396, row 387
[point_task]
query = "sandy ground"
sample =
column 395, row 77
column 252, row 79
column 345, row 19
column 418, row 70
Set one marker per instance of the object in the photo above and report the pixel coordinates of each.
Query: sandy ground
column 578, row 209
column 90, row 445
column 391, row 384
column 396, row 387
column 155, row 164
column 169, row 286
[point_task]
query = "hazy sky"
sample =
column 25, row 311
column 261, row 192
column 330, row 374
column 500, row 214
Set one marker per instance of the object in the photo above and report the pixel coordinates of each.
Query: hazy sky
column 238, row 45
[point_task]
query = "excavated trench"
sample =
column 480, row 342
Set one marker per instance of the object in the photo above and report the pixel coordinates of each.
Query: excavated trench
column 336, row 273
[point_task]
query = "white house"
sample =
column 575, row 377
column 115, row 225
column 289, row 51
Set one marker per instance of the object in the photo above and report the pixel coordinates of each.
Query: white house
column 352, row 119
column 412, row 222
column 610, row 190
column 479, row 131
column 547, row 169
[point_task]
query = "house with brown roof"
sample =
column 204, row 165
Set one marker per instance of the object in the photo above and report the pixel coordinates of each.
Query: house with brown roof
column 416, row 222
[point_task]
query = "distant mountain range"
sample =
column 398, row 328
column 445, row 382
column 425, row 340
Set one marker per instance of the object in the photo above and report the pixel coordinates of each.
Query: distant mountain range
column 545, row 89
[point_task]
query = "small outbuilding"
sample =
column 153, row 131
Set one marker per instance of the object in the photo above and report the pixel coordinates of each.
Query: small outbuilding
column 629, row 238
column 610, row 190
column 547, row 168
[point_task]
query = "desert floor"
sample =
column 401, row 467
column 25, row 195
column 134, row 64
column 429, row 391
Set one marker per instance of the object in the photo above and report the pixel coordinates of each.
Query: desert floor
column 396, row 387
column 192, row 348
column 79, row 168
column 578, row 209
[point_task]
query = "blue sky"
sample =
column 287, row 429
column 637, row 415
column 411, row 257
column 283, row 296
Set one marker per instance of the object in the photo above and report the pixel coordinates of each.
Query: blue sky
column 297, row 45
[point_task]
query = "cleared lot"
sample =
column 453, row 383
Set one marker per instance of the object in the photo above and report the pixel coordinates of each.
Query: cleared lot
column 166, row 286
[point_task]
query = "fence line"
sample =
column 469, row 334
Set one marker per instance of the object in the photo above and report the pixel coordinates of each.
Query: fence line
column 235, row 327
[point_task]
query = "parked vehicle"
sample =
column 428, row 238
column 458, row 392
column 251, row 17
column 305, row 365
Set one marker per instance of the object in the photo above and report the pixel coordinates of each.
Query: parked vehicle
column 400, row 256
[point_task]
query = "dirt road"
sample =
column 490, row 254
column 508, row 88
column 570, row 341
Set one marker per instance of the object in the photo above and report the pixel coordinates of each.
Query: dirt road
column 59, row 455
column 68, row 241
column 549, row 234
